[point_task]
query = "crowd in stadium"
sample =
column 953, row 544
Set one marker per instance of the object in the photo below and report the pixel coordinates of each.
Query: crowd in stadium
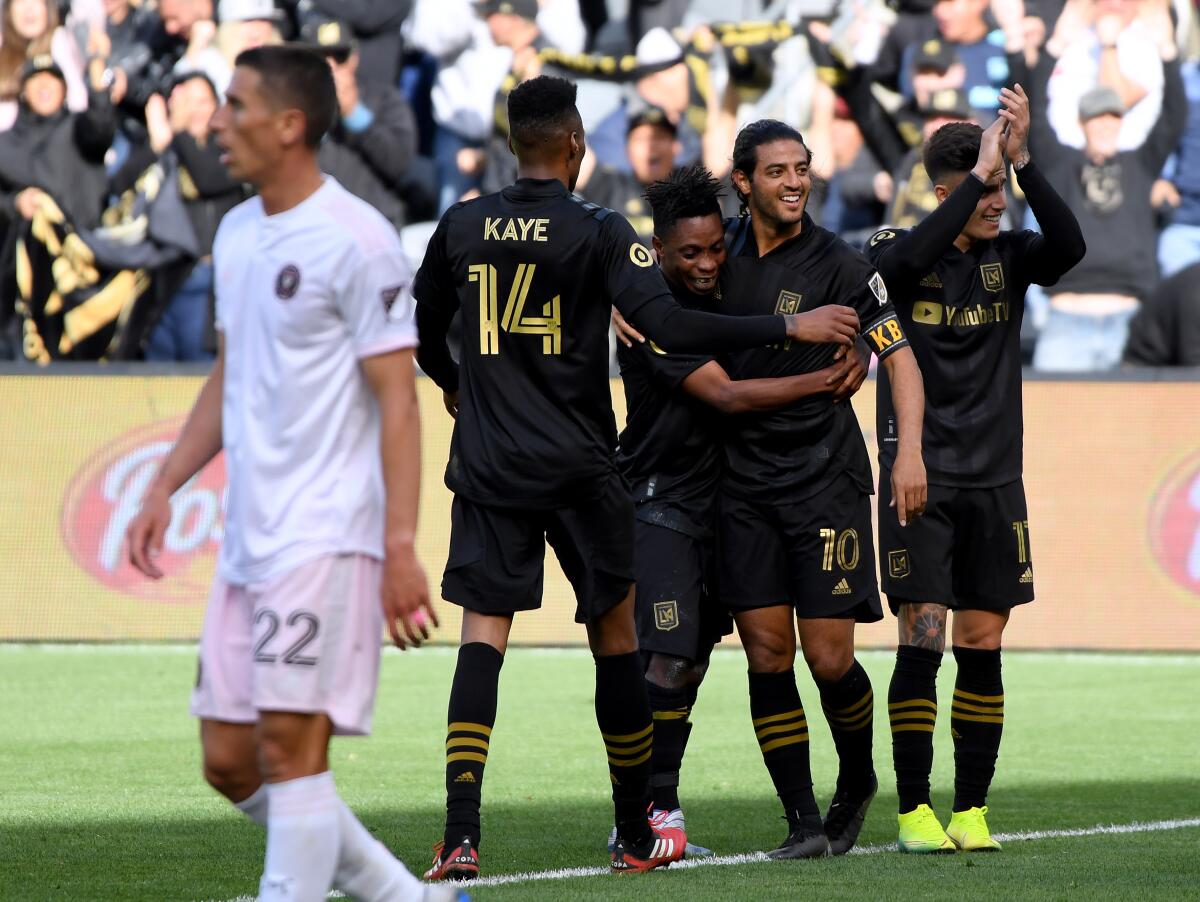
column 112, row 189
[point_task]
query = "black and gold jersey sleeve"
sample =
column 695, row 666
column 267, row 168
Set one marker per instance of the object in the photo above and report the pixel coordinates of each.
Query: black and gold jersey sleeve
column 433, row 285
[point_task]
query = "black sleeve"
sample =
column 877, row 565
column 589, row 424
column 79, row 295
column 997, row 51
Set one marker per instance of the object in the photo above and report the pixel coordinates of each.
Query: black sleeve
column 437, row 302
column 879, row 130
column 140, row 158
column 433, row 285
column 433, row 354
column 204, row 166
column 95, row 127
column 901, row 258
column 1045, row 258
column 389, row 143
column 670, row 370
column 636, row 286
column 1164, row 136
column 862, row 288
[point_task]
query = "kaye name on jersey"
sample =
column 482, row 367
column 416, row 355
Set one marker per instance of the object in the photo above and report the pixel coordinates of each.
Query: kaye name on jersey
column 502, row 228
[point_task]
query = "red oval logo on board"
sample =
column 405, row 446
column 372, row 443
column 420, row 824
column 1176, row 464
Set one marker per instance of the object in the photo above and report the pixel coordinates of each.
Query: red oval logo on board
column 106, row 494
column 1175, row 524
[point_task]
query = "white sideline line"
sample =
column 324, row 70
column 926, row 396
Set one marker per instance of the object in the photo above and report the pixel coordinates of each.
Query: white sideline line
column 758, row 857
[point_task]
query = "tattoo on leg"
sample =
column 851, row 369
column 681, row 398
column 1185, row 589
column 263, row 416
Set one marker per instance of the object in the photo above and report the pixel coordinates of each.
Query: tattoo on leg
column 924, row 626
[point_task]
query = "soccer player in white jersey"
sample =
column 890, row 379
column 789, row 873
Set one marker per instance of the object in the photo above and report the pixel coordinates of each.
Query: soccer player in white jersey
column 313, row 399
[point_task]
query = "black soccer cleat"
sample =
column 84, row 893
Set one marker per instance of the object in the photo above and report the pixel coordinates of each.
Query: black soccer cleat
column 805, row 839
column 458, row 863
column 845, row 817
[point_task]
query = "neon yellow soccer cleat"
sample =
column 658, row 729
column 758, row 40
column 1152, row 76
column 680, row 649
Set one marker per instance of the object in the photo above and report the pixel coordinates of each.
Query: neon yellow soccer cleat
column 920, row 833
column 969, row 831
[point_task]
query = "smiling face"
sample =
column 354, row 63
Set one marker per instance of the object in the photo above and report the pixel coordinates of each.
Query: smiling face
column 779, row 187
column 30, row 18
column 44, row 93
column 984, row 224
column 692, row 252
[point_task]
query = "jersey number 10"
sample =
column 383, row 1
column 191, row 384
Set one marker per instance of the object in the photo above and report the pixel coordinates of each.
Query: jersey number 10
column 548, row 325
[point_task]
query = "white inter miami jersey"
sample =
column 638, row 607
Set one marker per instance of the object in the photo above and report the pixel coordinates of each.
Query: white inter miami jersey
column 302, row 296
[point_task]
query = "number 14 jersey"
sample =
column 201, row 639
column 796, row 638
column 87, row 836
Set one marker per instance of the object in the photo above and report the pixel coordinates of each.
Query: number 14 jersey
column 535, row 272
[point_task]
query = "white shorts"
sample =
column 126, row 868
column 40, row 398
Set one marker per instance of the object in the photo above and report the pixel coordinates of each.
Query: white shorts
column 306, row 641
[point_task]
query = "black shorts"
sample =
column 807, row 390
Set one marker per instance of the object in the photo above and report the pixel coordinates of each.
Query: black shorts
column 497, row 555
column 969, row 550
column 677, row 611
column 815, row 554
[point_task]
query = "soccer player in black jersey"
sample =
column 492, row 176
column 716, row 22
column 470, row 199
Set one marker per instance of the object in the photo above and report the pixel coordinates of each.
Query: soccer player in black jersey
column 535, row 272
column 670, row 453
column 959, row 285
column 795, row 526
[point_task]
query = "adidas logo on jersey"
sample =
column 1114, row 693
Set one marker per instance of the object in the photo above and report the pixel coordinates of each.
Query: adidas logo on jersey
column 931, row 281
column 465, row 777
column 842, row 588
column 1027, row 576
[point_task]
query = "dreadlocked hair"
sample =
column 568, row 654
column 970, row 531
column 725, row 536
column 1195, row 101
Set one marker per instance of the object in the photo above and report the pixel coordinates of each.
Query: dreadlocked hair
column 687, row 193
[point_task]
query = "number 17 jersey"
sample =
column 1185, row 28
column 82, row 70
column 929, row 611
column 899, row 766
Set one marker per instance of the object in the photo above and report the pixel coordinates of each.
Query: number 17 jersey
column 535, row 272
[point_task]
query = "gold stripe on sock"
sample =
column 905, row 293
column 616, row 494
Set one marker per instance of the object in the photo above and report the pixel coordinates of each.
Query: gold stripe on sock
column 854, row 723
column 622, row 752
column 986, row 699
column 900, row 716
column 978, row 718
column 459, row 726
column 641, row 759
column 466, row 756
column 978, row 709
column 912, row 727
column 626, row 738
column 850, row 713
column 782, row 741
column 671, row 715
column 801, row 724
column 787, row 715
column 466, row 742
column 913, row 703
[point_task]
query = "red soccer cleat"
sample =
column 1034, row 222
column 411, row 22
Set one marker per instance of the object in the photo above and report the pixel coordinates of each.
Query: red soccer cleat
column 667, row 845
column 459, row 863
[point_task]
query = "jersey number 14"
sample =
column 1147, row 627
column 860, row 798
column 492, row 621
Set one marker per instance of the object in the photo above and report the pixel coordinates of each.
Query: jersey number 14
column 514, row 320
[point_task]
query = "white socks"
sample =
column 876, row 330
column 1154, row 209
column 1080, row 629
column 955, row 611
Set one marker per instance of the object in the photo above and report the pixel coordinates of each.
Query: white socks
column 365, row 869
column 302, row 840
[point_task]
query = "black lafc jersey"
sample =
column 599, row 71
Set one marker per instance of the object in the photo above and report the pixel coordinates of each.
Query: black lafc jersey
column 800, row 449
column 669, row 450
column 963, row 320
column 535, row 272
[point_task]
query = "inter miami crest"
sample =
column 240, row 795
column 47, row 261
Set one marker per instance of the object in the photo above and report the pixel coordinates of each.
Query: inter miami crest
column 287, row 282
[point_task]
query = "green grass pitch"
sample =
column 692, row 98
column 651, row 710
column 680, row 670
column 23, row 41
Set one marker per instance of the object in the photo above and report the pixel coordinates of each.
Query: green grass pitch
column 102, row 795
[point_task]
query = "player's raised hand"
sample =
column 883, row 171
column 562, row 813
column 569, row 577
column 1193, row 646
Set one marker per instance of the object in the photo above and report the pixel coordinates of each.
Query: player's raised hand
column 146, row 531
column 625, row 333
column 1014, row 109
column 991, row 150
column 405, row 598
column 909, row 487
column 831, row 323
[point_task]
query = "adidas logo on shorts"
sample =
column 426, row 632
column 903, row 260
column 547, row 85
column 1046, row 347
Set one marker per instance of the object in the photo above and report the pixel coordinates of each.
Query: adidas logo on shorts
column 1027, row 576
column 843, row 587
